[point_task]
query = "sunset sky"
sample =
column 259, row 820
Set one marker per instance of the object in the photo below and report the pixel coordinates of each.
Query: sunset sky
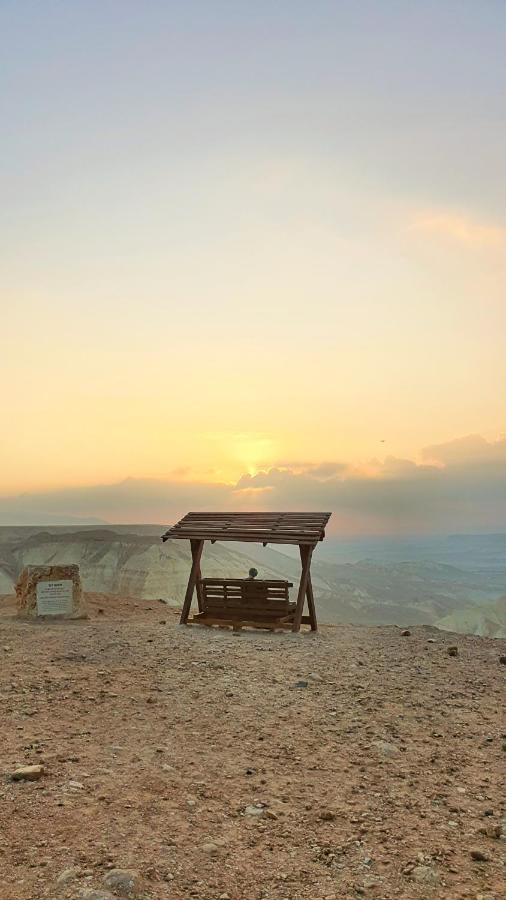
column 254, row 255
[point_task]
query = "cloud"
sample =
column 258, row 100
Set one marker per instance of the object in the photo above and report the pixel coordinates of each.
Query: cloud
column 133, row 500
column 470, row 450
column 458, row 486
column 321, row 470
column 462, row 229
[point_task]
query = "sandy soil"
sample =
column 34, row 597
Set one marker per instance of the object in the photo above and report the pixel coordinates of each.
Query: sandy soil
column 355, row 762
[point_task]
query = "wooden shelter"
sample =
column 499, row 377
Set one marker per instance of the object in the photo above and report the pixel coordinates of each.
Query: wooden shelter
column 262, row 603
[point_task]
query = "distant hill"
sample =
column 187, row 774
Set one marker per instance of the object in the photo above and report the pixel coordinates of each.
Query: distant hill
column 480, row 552
column 487, row 621
column 120, row 562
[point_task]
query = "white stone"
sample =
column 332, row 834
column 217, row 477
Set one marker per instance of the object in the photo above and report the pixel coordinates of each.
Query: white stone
column 50, row 591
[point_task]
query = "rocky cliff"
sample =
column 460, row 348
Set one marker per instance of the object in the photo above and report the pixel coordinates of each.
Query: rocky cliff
column 130, row 564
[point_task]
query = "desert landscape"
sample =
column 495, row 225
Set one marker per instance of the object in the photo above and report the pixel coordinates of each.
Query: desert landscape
column 186, row 762
column 457, row 585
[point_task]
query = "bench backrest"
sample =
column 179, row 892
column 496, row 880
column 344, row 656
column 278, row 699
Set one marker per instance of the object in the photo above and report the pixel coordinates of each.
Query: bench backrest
column 246, row 595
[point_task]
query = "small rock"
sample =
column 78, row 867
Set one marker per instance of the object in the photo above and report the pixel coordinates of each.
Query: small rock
column 254, row 811
column 386, row 748
column 327, row 815
column 492, row 831
column 90, row 894
column 406, row 633
column 313, row 676
column 211, row 849
column 453, row 651
column 425, row 875
column 28, row 773
column 123, row 882
column 67, row 875
column 431, row 640
column 370, row 883
column 479, row 856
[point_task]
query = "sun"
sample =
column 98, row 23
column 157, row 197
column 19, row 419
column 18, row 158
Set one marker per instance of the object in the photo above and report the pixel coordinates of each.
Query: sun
column 249, row 452
column 240, row 453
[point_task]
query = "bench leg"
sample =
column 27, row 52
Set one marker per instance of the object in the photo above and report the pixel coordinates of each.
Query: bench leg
column 311, row 604
column 197, row 547
column 200, row 598
column 305, row 555
column 310, row 598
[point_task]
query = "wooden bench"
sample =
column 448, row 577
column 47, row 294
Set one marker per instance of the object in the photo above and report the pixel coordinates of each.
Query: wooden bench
column 237, row 602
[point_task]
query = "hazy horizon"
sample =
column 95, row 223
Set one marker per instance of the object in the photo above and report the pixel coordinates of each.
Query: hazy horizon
column 461, row 489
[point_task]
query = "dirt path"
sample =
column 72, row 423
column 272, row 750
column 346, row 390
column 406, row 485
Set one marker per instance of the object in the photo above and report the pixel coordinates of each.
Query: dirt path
column 355, row 762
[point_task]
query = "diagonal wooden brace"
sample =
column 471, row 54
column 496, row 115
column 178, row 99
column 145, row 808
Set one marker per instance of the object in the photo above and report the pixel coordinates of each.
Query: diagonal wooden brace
column 306, row 553
column 310, row 600
column 200, row 599
column 196, row 548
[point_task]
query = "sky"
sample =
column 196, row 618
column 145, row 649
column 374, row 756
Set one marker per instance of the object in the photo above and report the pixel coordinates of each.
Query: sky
column 252, row 255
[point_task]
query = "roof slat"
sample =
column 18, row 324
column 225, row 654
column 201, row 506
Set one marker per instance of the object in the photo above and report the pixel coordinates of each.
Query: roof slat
column 271, row 527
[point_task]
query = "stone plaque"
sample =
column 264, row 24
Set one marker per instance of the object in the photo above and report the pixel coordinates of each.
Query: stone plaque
column 54, row 598
column 50, row 590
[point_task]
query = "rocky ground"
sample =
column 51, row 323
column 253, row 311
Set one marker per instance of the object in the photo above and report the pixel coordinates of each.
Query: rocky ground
column 194, row 763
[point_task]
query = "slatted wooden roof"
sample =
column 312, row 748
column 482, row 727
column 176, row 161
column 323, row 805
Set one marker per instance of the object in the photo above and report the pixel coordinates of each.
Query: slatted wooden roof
column 265, row 528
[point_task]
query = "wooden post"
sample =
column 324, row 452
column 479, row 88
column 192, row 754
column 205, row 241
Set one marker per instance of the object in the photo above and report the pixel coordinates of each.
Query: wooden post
column 200, row 600
column 310, row 598
column 311, row 605
column 305, row 555
column 196, row 547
